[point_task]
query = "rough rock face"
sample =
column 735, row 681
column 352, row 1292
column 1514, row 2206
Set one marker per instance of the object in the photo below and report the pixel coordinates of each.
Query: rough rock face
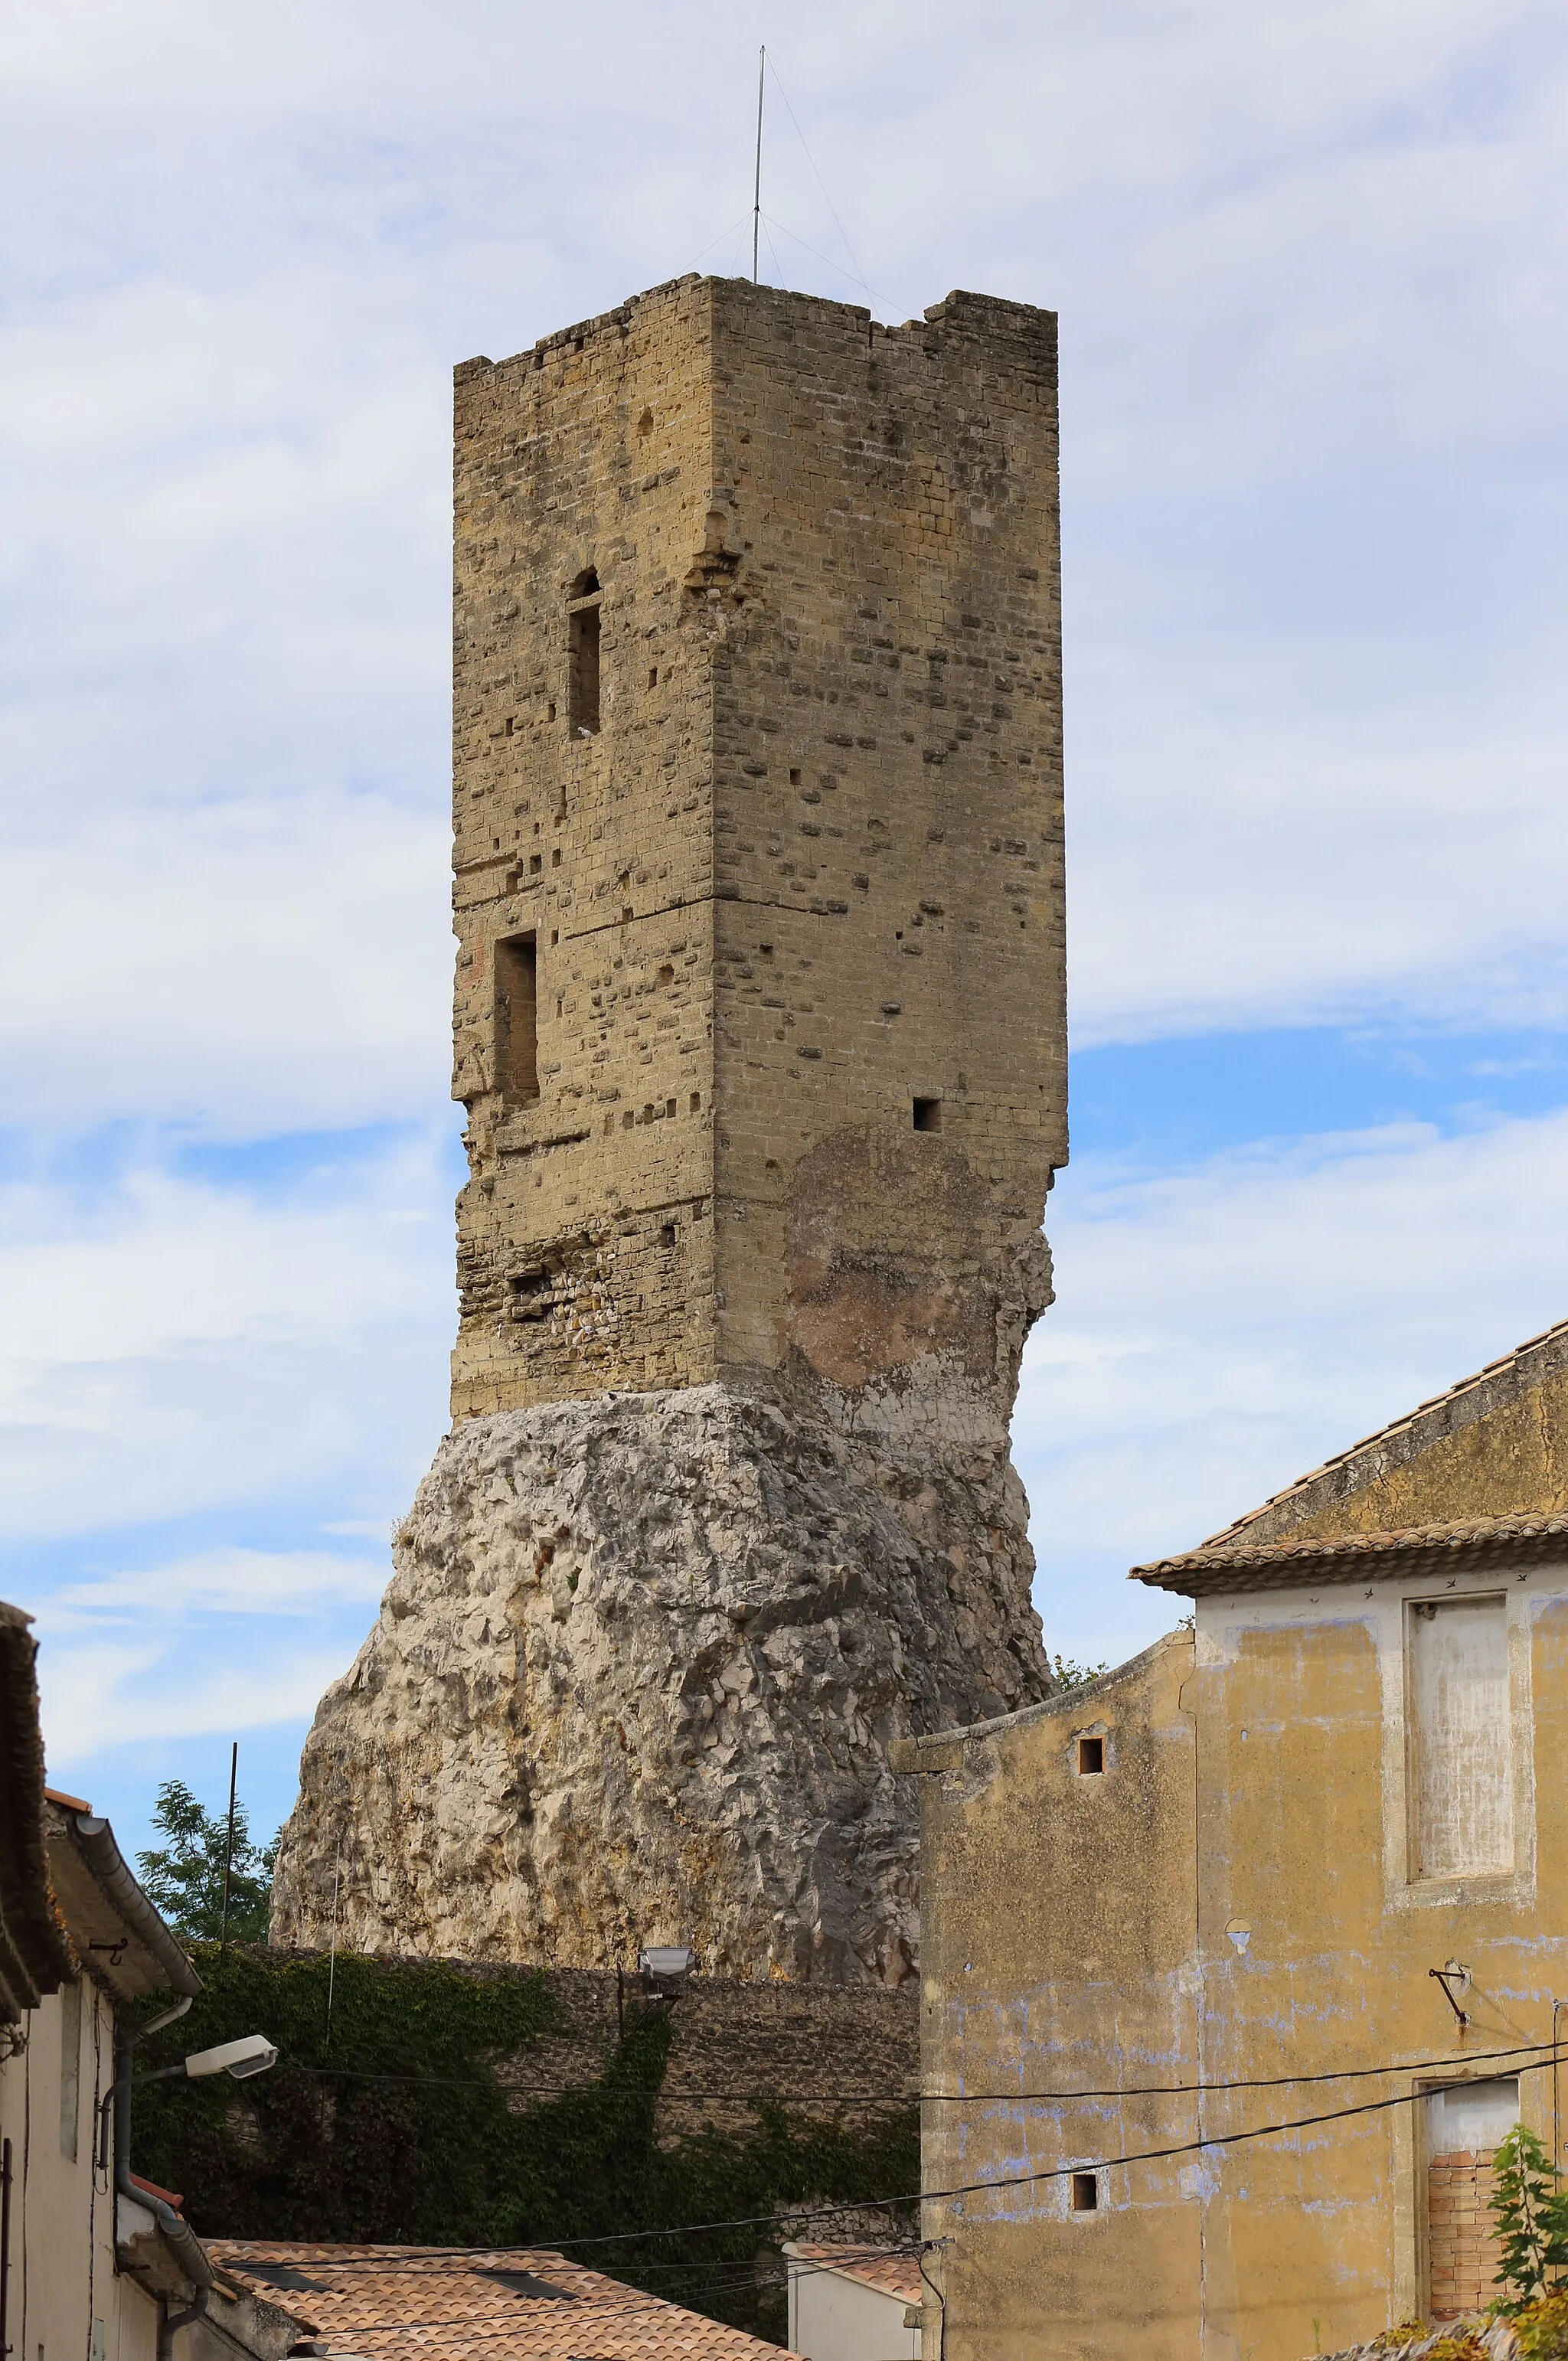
column 635, row 1679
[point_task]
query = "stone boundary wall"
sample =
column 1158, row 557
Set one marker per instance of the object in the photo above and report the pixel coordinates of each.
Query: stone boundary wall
column 735, row 2045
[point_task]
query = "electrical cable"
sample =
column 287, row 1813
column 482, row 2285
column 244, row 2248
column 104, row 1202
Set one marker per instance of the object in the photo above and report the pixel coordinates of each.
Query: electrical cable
column 820, row 182
column 606, row 2091
column 1009, row 2181
column 631, row 2302
column 826, row 259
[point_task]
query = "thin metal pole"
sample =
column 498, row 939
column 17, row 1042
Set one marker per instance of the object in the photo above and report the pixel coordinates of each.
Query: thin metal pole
column 4, row 2240
column 331, row 1955
column 228, row 1849
column 757, row 184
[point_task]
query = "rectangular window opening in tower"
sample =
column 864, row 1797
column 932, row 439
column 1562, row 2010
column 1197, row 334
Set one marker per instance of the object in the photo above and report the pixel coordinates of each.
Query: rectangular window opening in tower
column 583, row 669
column 517, row 1020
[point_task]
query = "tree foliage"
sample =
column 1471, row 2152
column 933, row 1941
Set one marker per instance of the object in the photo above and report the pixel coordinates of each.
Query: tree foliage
column 185, row 1877
column 1531, row 2208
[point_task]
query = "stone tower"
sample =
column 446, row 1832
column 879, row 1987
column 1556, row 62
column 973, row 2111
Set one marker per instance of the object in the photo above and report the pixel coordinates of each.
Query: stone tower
column 760, row 1032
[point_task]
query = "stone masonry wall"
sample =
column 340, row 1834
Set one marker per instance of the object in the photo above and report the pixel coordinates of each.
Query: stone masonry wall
column 809, row 860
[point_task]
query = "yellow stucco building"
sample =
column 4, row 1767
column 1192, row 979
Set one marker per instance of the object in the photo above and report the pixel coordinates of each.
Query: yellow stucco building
column 1306, row 1855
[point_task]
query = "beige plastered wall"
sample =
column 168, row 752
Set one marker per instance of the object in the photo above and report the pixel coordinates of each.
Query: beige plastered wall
column 65, row 2298
column 1232, row 1899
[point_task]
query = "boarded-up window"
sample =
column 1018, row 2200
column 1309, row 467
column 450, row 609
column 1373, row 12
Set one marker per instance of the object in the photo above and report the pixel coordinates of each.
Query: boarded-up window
column 1466, row 2124
column 517, row 1019
column 1460, row 1767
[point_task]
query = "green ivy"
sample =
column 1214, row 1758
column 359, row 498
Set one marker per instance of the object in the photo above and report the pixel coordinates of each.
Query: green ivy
column 393, row 2126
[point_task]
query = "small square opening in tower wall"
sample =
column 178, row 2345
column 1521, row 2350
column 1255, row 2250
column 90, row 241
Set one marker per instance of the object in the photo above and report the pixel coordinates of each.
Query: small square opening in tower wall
column 1085, row 2192
column 1091, row 1757
column 927, row 1115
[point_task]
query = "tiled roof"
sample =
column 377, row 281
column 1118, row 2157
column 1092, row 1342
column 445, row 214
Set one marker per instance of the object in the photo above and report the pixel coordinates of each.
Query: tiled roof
column 1459, row 1548
column 1461, row 1405
column 889, row 2273
column 510, row 2305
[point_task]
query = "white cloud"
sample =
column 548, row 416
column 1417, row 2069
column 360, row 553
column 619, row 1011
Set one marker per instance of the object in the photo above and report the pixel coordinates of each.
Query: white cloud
column 1314, row 587
column 223, row 1582
column 1220, row 1332
column 105, row 1696
column 173, row 1343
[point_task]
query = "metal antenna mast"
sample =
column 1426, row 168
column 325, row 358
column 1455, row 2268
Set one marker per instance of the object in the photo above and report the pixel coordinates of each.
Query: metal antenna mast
column 757, row 184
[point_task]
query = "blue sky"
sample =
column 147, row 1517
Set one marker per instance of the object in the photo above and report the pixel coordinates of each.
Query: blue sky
column 1309, row 262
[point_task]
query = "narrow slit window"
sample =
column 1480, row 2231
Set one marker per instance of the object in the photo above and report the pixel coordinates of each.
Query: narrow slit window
column 927, row 1115
column 1086, row 2192
column 583, row 657
column 517, row 1019
column 1461, row 1742
column 1091, row 1757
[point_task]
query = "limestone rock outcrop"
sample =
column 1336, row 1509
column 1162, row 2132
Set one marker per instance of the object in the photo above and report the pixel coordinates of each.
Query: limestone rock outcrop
column 635, row 1679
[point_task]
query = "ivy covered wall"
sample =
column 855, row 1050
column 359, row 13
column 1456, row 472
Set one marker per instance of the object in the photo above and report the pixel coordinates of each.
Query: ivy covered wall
column 443, row 2104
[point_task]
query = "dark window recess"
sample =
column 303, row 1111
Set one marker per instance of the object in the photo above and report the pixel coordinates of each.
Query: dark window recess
column 927, row 1115
column 533, row 1294
column 517, row 1019
column 583, row 657
column 1091, row 1757
column 1085, row 2192
column 669, row 1234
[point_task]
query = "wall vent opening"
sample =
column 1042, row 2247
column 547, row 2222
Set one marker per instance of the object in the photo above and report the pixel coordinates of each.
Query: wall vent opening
column 1086, row 2192
column 517, row 1019
column 1091, row 1757
column 927, row 1115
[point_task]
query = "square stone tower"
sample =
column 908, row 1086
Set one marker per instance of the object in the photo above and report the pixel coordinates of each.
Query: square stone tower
column 760, row 1032
column 761, row 1007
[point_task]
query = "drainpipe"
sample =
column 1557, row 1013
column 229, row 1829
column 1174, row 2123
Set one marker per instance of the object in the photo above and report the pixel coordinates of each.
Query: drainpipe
column 177, row 2234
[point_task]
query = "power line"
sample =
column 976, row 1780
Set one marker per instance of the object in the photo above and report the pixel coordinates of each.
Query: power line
column 821, row 183
column 735, row 2279
column 611, row 2091
column 1008, row 2181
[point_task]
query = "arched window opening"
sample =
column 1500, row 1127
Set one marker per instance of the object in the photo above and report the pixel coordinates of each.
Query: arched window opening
column 583, row 656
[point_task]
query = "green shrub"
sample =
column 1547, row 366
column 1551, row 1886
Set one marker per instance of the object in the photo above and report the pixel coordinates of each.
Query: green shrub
column 1530, row 2209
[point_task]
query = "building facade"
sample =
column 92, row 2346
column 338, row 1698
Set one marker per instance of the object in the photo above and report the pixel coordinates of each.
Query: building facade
column 94, row 2262
column 1286, row 1901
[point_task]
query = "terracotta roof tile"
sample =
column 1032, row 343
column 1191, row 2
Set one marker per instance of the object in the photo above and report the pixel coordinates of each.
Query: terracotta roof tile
column 891, row 2273
column 1460, row 1547
column 1458, row 1405
column 506, row 2305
